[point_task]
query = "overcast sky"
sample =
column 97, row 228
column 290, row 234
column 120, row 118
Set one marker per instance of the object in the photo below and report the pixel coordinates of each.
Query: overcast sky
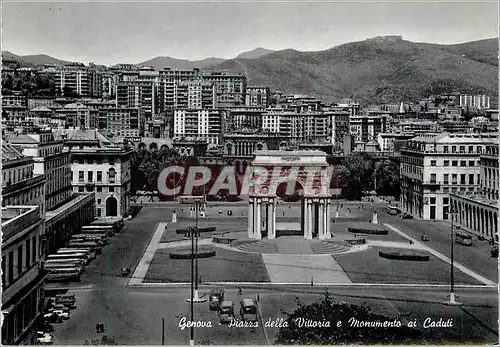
column 112, row 32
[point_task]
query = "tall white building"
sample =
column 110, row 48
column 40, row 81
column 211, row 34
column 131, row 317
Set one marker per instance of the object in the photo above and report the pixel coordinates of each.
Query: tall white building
column 198, row 124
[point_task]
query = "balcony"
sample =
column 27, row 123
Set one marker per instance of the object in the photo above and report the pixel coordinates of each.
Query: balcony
column 23, row 184
column 431, row 183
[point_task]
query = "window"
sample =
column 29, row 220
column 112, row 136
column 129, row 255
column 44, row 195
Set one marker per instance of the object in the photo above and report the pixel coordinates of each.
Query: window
column 99, row 189
column 99, row 176
column 446, row 189
column 111, row 161
column 453, row 178
column 462, row 149
column 20, row 260
column 99, row 161
column 90, row 188
column 453, row 149
column 111, row 189
column 445, row 149
column 28, row 253
column 433, row 163
column 471, row 162
column 99, row 201
column 463, row 163
column 81, row 189
column 433, row 200
column 81, row 161
column 462, row 179
column 454, row 163
column 446, row 201
column 446, row 178
column 90, row 175
column 479, row 149
column 80, row 176
column 471, row 149
column 446, row 163
column 471, row 178
column 433, row 178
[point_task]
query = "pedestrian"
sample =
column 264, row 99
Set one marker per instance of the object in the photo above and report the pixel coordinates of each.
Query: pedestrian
column 283, row 213
column 312, row 281
column 97, row 328
column 240, row 292
column 258, row 298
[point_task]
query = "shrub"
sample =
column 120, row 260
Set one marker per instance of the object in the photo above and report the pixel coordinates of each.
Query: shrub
column 405, row 254
column 201, row 230
column 367, row 228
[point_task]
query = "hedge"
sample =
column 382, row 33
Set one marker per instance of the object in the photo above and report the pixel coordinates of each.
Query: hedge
column 356, row 241
column 407, row 254
column 186, row 253
column 368, row 230
column 222, row 239
column 201, row 230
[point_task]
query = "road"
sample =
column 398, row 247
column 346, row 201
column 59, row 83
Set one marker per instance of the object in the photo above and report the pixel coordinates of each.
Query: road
column 133, row 315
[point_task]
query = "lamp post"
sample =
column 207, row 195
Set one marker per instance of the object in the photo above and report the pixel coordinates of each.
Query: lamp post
column 452, row 279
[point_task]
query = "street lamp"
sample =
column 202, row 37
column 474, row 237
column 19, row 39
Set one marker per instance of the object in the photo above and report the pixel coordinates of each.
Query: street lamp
column 452, row 280
column 194, row 256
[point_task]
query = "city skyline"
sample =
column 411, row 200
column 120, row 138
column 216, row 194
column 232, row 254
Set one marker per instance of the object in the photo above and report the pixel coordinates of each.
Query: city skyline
column 34, row 28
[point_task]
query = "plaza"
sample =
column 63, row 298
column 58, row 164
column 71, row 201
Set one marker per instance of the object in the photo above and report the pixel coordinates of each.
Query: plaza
column 132, row 311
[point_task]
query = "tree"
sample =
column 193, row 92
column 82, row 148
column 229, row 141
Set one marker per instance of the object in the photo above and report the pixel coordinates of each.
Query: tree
column 356, row 176
column 387, row 177
column 326, row 310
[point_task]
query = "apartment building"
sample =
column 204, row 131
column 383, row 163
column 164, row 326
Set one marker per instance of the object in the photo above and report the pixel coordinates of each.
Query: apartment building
column 479, row 102
column 194, row 95
column 20, row 184
column 366, row 128
column 257, row 96
column 229, row 88
column 100, row 167
column 339, row 124
column 477, row 212
column 386, row 141
column 433, row 167
column 77, row 115
column 198, row 125
column 22, row 275
column 138, row 93
column 127, row 122
column 76, row 79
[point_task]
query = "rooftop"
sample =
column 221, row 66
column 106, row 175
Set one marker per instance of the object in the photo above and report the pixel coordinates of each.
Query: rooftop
column 9, row 152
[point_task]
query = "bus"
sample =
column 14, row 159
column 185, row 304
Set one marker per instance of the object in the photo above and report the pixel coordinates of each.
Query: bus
column 248, row 310
column 87, row 244
column 76, row 250
column 74, row 261
column 463, row 238
column 83, row 256
column 392, row 210
column 64, row 275
column 92, row 237
column 108, row 230
column 115, row 222
column 54, row 266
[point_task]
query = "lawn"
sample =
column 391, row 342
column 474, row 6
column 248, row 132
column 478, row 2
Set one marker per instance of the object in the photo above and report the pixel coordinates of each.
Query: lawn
column 369, row 267
column 230, row 266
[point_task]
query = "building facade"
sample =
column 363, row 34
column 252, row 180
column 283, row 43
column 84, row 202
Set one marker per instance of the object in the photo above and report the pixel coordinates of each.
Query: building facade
column 433, row 167
column 22, row 274
column 198, row 125
column 258, row 96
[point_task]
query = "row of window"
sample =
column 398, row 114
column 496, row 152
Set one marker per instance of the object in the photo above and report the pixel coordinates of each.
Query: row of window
column 109, row 160
column 19, row 260
column 462, row 149
column 464, row 178
column 19, row 174
column 98, row 189
column 456, row 163
column 26, row 198
column 90, row 176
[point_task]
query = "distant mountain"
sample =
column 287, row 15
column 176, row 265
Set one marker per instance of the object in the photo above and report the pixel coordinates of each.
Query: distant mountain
column 253, row 54
column 376, row 70
column 28, row 60
column 173, row 63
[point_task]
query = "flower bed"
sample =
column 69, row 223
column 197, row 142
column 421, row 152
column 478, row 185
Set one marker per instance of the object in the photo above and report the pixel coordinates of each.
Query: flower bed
column 185, row 253
column 201, row 230
column 368, row 228
column 223, row 239
column 405, row 254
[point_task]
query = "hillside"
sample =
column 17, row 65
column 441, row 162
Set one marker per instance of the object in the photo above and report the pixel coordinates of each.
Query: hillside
column 173, row 63
column 375, row 71
column 253, row 54
column 29, row 60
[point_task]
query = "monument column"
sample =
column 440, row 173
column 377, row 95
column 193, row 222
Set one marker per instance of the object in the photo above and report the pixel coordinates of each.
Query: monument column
column 272, row 220
column 251, row 209
column 305, row 224
column 321, row 219
column 309, row 219
column 258, row 220
column 328, row 219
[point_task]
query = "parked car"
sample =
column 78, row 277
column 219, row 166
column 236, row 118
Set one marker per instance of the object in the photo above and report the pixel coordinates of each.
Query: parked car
column 59, row 307
column 425, row 238
column 494, row 252
column 44, row 338
column 226, row 312
column 62, row 314
column 406, row 216
column 52, row 317
column 129, row 217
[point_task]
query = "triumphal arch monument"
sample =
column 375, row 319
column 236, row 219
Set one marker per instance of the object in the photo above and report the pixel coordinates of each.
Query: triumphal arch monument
column 307, row 169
